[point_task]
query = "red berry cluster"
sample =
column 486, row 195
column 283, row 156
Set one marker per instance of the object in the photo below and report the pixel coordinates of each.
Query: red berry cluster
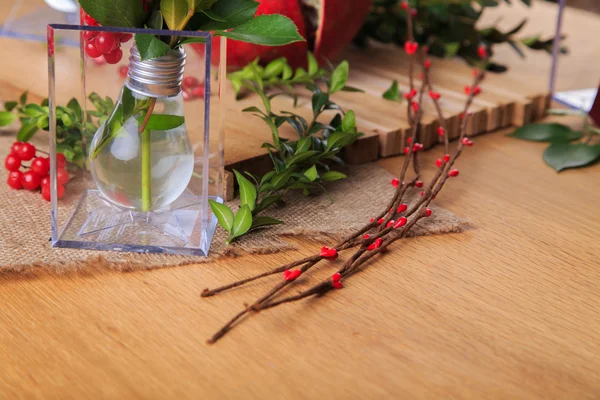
column 107, row 44
column 37, row 173
column 192, row 88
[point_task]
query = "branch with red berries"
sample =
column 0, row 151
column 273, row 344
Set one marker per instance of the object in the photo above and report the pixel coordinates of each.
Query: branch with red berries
column 392, row 224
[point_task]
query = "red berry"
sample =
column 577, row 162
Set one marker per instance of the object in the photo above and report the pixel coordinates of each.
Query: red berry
column 14, row 149
column 30, row 180
column 89, row 20
column 376, row 244
column 337, row 285
column 106, row 42
column 475, row 72
column 408, row 140
column 401, row 208
column 441, row 131
column 89, row 35
column 190, row 82
column 427, row 64
column 40, row 166
column 12, row 163
column 26, row 151
column 453, row 173
column 290, row 275
column 417, row 147
column 404, row 5
column 395, row 182
column 61, row 160
column 123, row 70
column 411, row 47
column 336, row 277
column 372, row 220
column 114, row 56
column 419, row 184
column 91, row 50
column 380, row 221
column 422, row 194
column 186, row 95
column 482, row 51
column 198, row 91
column 330, row 254
column 446, row 157
column 46, row 192
column 476, row 90
column 467, row 142
column 427, row 212
column 438, row 162
column 415, row 106
column 62, row 176
column 14, row 180
column 45, row 181
column 366, row 236
column 126, row 37
column 434, row 95
column 390, row 223
column 467, row 90
column 401, row 222
column 413, row 12
column 406, row 150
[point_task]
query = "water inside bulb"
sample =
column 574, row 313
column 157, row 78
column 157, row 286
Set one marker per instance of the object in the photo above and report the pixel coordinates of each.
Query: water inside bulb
column 141, row 158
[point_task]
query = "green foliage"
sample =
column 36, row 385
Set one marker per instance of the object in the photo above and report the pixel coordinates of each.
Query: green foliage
column 72, row 130
column 561, row 153
column 449, row 28
column 393, row 93
column 304, row 164
column 234, row 19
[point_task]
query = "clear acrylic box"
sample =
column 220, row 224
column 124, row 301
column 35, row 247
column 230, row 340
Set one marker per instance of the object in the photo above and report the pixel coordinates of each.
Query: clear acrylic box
column 143, row 191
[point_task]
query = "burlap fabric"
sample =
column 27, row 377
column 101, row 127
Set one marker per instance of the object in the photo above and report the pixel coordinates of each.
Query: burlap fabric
column 25, row 224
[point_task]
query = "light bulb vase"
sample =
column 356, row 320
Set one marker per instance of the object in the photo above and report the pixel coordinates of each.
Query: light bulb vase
column 154, row 159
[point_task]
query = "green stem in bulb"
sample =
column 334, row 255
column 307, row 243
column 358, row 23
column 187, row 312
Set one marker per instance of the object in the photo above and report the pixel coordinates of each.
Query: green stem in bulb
column 146, row 160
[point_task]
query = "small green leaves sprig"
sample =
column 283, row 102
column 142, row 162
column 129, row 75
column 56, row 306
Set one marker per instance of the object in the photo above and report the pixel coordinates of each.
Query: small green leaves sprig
column 568, row 148
column 234, row 19
column 72, row 131
column 303, row 164
column 448, row 28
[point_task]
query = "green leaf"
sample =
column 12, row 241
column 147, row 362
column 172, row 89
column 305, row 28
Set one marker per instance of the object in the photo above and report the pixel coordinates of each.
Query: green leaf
column 128, row 103
column 162, row 122
column 263, row 221
column 339, row 77
column 267, row 30
column 7, row 118
column 156, row 20
column 298, row 157
column 74, row 106
column 546, row 133
column 266, row 203
column 349, row 121
column 174, row 13
column 303, row 145
column 280, row 179
column 33, row 110
column 311, row 173
column 339, row 140
column 563, row 155
column 274, row 68
column 223, row 15
column 10, row 105
column 121, row 13
column 451, row 49
column 319, row 100
column 28, row 129
column 223, row 213
column 198, row 5
column 241, row 224
column 23, row 98
column 247, row 191
column 393, row 93
column 333, row 176
column 313, row 65
column 150, row 46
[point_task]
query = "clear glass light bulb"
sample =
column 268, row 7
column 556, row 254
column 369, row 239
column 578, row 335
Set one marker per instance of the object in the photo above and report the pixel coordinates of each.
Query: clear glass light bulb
column 141, row 158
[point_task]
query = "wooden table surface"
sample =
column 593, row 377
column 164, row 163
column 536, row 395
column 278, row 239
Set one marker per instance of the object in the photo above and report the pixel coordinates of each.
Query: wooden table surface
column 509, row 309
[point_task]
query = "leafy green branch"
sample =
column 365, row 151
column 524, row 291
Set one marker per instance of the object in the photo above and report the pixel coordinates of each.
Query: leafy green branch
column 448, row 28
column 304, row 164
column 568, row 148
column 73, row 132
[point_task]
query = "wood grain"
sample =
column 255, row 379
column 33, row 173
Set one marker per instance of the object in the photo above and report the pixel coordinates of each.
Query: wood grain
column 507, row 310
